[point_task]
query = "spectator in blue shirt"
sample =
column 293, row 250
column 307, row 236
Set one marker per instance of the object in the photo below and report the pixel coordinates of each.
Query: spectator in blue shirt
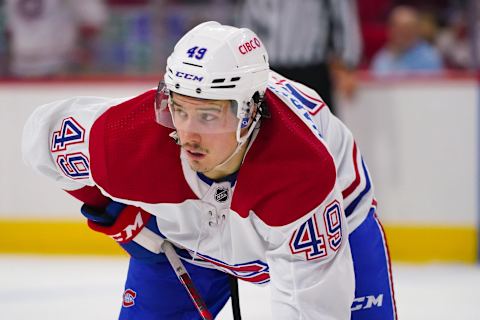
column 406, row 52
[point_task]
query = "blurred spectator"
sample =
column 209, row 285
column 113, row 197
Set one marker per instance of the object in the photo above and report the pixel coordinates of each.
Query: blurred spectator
column 428, row 26
column 426, row 5
column 454, row 43
column 373, row 14
column 406, row 52
column 50, row 37
column 310, row 41
column 127, row 41
column 3, row 41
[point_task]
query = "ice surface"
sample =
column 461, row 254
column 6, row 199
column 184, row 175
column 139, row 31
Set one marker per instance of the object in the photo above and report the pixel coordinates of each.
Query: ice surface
column 78, row 288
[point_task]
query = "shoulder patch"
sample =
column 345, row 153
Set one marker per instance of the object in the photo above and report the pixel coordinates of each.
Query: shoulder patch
column 132, row 157
column 297, row 94
column 288, row 170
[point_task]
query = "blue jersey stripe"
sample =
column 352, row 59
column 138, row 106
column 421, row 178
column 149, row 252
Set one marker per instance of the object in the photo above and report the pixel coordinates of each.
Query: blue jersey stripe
column 351, row 207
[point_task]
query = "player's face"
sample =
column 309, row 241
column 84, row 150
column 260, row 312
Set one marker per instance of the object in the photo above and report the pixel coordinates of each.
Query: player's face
column 206, row 129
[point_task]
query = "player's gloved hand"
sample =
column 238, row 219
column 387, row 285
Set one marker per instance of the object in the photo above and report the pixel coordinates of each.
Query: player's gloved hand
column 133, row 228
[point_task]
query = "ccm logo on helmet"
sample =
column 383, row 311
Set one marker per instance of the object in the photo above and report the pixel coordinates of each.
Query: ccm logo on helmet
column 188, row 76
column 249, row 46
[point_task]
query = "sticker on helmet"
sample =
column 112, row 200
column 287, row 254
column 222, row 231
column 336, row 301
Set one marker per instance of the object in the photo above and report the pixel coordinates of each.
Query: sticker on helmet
column 249, row 46
column 197, row 53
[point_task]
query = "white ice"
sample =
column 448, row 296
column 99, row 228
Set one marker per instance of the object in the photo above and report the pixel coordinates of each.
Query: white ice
column 78, row 288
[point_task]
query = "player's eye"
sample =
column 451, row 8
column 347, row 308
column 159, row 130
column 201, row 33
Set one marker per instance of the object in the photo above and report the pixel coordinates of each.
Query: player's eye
column 179, row 113
column 208, row 117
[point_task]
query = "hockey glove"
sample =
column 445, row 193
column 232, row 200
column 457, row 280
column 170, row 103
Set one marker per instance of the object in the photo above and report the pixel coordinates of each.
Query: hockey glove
column 133, row 228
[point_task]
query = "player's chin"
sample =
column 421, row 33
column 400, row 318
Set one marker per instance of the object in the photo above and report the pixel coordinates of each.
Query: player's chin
column 198, row 166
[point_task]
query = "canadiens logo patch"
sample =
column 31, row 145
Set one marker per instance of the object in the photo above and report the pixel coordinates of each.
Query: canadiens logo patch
column 129, row 298
column 221, row 194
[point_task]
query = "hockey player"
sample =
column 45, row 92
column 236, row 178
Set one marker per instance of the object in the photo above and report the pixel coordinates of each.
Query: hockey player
column 245, row 172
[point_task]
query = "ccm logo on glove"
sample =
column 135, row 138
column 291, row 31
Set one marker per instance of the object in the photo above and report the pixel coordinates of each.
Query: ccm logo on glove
column 130, row 221
column 130, row 231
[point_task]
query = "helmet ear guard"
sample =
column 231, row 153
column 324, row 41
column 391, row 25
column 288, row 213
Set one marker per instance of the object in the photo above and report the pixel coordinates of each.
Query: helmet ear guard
column 255, row 109
column 261, row 105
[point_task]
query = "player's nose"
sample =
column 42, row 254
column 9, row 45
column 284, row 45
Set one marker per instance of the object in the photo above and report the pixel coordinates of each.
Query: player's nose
column 189, row 125
column 190, row 137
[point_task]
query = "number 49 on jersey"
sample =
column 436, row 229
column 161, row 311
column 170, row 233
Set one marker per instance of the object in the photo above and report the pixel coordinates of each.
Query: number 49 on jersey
column 309, row 241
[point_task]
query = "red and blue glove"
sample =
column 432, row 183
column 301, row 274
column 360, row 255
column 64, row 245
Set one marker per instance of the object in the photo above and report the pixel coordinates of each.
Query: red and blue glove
column 132, row 227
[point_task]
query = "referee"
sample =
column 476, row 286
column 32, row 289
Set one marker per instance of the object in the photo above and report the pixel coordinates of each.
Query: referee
column 308, row 40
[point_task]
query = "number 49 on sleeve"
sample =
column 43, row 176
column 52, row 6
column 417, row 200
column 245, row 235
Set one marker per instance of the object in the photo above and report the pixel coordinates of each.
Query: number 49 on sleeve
column 196, row 52
column 309, row 241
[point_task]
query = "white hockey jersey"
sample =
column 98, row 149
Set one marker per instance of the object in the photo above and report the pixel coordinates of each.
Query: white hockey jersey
column 301, row 189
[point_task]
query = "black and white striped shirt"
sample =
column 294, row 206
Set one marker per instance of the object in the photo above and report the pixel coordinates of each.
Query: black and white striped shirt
column 302, row 32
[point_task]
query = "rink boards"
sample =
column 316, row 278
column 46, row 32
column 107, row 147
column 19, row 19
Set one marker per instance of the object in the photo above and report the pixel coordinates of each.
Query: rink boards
column 419, row 138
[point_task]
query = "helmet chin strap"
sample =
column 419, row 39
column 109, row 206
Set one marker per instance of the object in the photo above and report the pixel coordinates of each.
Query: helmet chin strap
column 175, row 137
column 240, row 141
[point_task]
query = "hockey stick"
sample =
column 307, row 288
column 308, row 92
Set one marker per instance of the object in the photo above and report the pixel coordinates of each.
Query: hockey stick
column 144, row 239
column 235, row 297
column 185, row 279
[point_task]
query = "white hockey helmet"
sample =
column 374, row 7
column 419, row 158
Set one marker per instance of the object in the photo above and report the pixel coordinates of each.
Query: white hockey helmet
column 217, row 62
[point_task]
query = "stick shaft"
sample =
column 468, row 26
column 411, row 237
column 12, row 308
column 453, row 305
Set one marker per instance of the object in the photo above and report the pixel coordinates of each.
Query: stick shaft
column 186, row 281
column 235, row 297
